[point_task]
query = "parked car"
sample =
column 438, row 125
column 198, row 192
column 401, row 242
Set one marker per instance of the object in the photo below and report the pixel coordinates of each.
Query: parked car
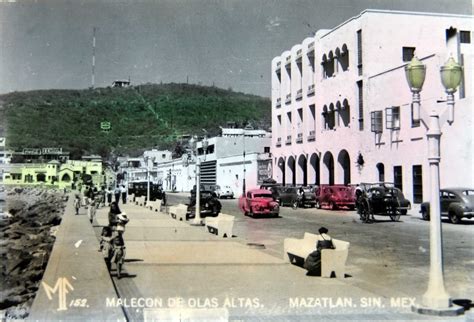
column 224, row 192
column 335, row 196
column 209, row 204
column 307, row 197
column 381, row 199
column 139, row 188
column 259, row 202
column 455, row 203
column 275, row 188
column 288, row 196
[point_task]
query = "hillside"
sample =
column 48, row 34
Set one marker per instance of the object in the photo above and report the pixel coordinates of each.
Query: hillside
column 141, row 117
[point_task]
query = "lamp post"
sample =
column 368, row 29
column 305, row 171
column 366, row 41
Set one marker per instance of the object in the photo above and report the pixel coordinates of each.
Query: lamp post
column 436, row 300
column 197, row 213
column 147, row 158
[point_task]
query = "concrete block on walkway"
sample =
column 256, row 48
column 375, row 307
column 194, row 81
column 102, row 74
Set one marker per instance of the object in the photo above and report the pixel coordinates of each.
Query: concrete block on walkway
column 222, row 225
column 332, row 260
column 140, row 200
column 178, row 212
column 131, row 198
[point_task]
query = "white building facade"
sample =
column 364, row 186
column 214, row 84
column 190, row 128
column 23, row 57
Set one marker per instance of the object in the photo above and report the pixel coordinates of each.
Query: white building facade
column 223, row 163
column 341, row 106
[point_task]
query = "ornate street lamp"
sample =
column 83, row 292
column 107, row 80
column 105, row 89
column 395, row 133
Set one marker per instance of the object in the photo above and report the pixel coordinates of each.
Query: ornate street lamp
column 415, row 73
column 451, row 75
column 436, row 300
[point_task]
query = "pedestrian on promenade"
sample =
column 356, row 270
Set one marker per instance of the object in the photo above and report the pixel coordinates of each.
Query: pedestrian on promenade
column 105, row 245
column 77, row 203
column 113, row 212
column 91, row 210
column 123, row 191
column 109, row 196
column 117, row 194
column 313, row 261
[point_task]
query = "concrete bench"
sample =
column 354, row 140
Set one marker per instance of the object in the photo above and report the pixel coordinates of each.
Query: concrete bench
column 221, row 225
column 332, row 260
column 154, row 205
column 131, row 198
column 178, row 212
column 140, row 201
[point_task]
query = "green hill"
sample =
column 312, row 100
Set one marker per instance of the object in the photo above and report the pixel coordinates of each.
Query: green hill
column 141, row 117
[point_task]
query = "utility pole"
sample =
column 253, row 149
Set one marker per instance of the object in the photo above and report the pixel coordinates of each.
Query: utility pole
column 93, row 57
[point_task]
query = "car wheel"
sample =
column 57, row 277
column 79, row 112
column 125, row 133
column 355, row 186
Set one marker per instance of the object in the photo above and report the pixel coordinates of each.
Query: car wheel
column 332, row 206
column 404, row 212
column 318, row 204
column 453, row 218
column 425, row 214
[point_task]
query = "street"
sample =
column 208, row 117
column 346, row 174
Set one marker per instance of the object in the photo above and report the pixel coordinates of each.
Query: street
column 385, row 257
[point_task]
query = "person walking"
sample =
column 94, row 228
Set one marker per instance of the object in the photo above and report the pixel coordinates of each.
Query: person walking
column 117, row 194
column 123, row 191
column 109, row 196
column 91, row 210
column 113, row 213
column 77, row 203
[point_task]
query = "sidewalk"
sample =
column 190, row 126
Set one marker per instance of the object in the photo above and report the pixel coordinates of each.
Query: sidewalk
column 175, row 269
column 76, row 277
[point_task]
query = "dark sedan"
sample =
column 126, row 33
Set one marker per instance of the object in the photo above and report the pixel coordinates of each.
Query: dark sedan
column 455, row 203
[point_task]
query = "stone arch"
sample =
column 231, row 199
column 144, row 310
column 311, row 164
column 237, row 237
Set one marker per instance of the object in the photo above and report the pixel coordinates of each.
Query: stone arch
column 41, row 177
column 302, row 173
column 344, row 58
column 314, row 169
column 281, row 173
column 344, row 168
column 291, row 173
column 345, row 113
column 328, row 169
column 380, row 171
column 66, row 177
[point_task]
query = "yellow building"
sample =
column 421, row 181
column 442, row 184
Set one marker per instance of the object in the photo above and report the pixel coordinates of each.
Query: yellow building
column 54, row 173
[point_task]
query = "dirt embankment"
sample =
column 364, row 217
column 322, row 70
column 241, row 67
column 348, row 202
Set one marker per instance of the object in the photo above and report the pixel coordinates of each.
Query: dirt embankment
column 27, row 234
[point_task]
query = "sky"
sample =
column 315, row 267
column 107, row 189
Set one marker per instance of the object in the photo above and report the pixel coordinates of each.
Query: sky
column 227, row 43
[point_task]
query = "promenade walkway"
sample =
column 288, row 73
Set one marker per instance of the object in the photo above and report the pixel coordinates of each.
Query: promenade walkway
column 76, row 280
column 175, row 271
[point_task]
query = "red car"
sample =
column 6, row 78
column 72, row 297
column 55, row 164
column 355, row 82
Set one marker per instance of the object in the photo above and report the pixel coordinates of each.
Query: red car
column 335, row 196
column 259, row 202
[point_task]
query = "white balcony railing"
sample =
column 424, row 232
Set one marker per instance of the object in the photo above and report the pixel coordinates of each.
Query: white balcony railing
column 288, row 140
column 299, row 138
column 288, row 99
column 299, row 94
column 278, row 144
column 311, row 89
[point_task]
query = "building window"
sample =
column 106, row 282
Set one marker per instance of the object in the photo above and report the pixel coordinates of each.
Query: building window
column 408, row 53
column 414, row 123
column 397, row 177
column 465, row 37
column 361, row 105
column 266, row 149
column 376, row 121
column 392, row 118
column 417, row 184
column 359, row 52
column 16, row 176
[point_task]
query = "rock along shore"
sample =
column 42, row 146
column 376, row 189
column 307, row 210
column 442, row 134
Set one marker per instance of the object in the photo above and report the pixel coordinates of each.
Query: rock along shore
column 27, row 234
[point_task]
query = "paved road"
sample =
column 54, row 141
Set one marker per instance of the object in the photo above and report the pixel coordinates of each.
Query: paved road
column 389, row 258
